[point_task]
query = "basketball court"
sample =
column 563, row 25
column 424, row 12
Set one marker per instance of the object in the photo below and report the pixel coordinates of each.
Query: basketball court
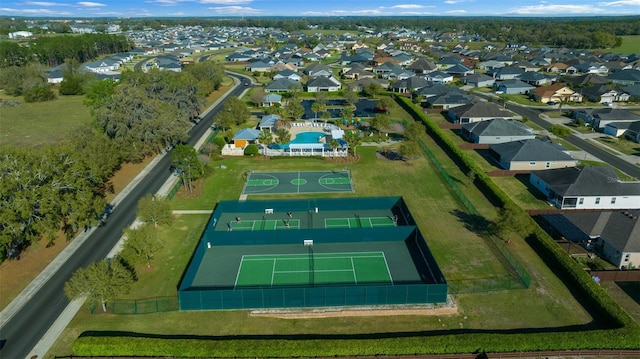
column 297, row 182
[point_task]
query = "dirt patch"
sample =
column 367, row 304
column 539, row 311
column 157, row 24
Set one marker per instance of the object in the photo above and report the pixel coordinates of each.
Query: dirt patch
column 448, row 309
column 389, row 155
column 196, row 190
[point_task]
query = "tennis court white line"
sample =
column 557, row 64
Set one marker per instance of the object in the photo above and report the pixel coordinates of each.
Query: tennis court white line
column 387, row 265
column 265, row 257
column 273, row 271
column 238, row 274
column 315, row 271
column 353, row 271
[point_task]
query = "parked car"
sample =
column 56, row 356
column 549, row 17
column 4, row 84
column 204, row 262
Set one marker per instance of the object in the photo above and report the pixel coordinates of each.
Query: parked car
column 551, row 103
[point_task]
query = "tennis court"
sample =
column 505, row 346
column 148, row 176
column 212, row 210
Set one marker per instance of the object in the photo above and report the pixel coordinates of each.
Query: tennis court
column 297, row 182
column 310, row 268
column 359, row 222
column 265, row 225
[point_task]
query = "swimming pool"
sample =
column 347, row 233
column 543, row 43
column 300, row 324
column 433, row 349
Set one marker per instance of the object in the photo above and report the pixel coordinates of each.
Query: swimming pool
column 304, row 138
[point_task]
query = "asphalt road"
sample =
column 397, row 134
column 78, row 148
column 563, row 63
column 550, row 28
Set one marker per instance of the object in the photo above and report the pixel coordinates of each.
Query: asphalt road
column 23, row 331
column 534, row 116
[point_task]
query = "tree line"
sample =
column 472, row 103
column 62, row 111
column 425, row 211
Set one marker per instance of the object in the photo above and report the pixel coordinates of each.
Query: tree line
column 61, row 188
column 54, row 50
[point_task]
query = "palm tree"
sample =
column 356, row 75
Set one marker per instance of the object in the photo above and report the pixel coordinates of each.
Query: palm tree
column 353, row 140
column 283, row 136
column 283, row 123
column 333, row 144
column 265, row 138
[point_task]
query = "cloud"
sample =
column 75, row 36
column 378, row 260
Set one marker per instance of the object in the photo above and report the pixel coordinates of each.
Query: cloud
column 90, row 4
column 555, row 10
column 44, row 3
column 457, row 12
column 407, row 6
column 451, row 2
column 416, row 13
column 234, row 10
column 365, row 12
column 622, row 3
column 34, row 11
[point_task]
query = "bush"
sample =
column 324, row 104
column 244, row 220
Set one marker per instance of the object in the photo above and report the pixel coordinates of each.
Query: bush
column 251, row 150
column 220, row 141
column 39, row 93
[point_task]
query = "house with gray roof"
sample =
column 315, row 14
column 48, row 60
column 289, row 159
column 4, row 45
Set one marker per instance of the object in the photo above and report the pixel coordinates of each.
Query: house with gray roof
column 506, row 73
column 586, row 187
column 268, row 122
column 625, row 77
column 448, row 100
column 531, row 154
column 513, row 86
column 598, row 118
column 409, row 85
column 630, row 130
column 478, row 80
column 244, row 137
column 287, row 74
column 323, row 83
column 536, row 78
column 259, row 66
column 283, row 85
column 604, row 93
column 616, row 233
column 497, row 130
column 478, row 111
column 439, row 77
column 422, row 66
column 458, row 70
column 271, row 99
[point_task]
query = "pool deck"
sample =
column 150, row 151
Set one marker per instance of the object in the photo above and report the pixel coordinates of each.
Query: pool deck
column 298, row 127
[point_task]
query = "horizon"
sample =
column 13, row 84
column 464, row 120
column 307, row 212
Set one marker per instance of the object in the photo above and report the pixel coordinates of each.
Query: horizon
column 326, row 9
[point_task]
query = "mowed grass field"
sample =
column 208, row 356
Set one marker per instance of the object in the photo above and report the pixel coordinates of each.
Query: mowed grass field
column 41, row 123
column 461, row 254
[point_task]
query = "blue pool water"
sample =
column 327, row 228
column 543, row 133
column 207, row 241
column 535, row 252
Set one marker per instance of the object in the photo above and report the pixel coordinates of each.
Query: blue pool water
column 307, row 137
column 302, row 137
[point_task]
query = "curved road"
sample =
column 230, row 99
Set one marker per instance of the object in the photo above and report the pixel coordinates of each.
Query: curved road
column 24, row 329
column 534, row 115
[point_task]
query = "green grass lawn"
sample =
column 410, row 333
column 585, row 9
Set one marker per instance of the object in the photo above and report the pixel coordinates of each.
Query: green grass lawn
column 461, row 253
column 42, row 123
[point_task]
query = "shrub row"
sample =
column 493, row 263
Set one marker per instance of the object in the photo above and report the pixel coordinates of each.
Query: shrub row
column 625, row 332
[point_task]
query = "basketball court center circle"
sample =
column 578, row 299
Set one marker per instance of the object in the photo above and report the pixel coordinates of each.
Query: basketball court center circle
column 298, row 181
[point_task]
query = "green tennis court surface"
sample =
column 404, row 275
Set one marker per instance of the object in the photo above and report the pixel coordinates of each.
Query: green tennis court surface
column 265, row 225
column 313, row 268
column 297, row 182
column 359, row 222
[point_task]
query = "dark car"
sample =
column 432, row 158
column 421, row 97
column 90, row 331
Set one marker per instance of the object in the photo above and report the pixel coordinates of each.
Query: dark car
column 551, row 103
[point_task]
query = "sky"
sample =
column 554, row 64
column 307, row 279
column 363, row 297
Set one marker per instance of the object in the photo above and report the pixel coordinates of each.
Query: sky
column 312, row 8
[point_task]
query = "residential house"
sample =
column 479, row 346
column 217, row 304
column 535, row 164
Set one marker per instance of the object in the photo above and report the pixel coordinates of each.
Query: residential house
column 557, row 67
column 557, row 92
column 536, row 78
column 478, row 111
column 259, row 66
column 459, row 70
column 283, row 85
column 449, row 100
column 54, row 74
column 409, row 85
column 513, row 86
column 630, row 130
column 478, row 80
column 586, row 187
column 271, row 99
column 439, row 77
column 598, row 118
column 531, row 154
column 616, row 233
column 505, row 73
column 604, row 93
column 318, row 70
column 387, row 68
column 287, row 74
column 592, row 68
column 625, row 77
column 361, row 84
column 323, row 83
column 447, row 62
column 585, row 80
column 422, row 66
column 497, row 130
column 104, row 65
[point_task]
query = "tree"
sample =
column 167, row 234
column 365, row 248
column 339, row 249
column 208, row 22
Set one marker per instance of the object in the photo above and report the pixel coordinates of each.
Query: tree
column 317, row 107
column 347, row 112
column 380, row 121
column 414, row 130
column 265, row 138
column 185, row 160
column 372, row 89
column 385, row 103
column 334, row 145
column 140, row 245
column 224, row 120
column 257, row 96
column 154, row 210
column 294, row 109
column 238, row 110
column 283, row 136
column 409, row 149
column 99, row 92
column 353, row 140
column 39, row 93
column 100, row 282
column 351, row 97
column 511, row 220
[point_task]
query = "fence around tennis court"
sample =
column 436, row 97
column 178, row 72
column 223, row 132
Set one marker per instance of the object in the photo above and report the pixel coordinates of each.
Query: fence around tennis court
column 420, row 279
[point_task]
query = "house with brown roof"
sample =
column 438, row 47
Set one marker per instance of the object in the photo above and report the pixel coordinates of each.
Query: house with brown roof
column 556, row 92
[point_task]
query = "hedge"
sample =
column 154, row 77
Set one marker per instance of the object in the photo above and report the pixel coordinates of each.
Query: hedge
column 624, row 332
